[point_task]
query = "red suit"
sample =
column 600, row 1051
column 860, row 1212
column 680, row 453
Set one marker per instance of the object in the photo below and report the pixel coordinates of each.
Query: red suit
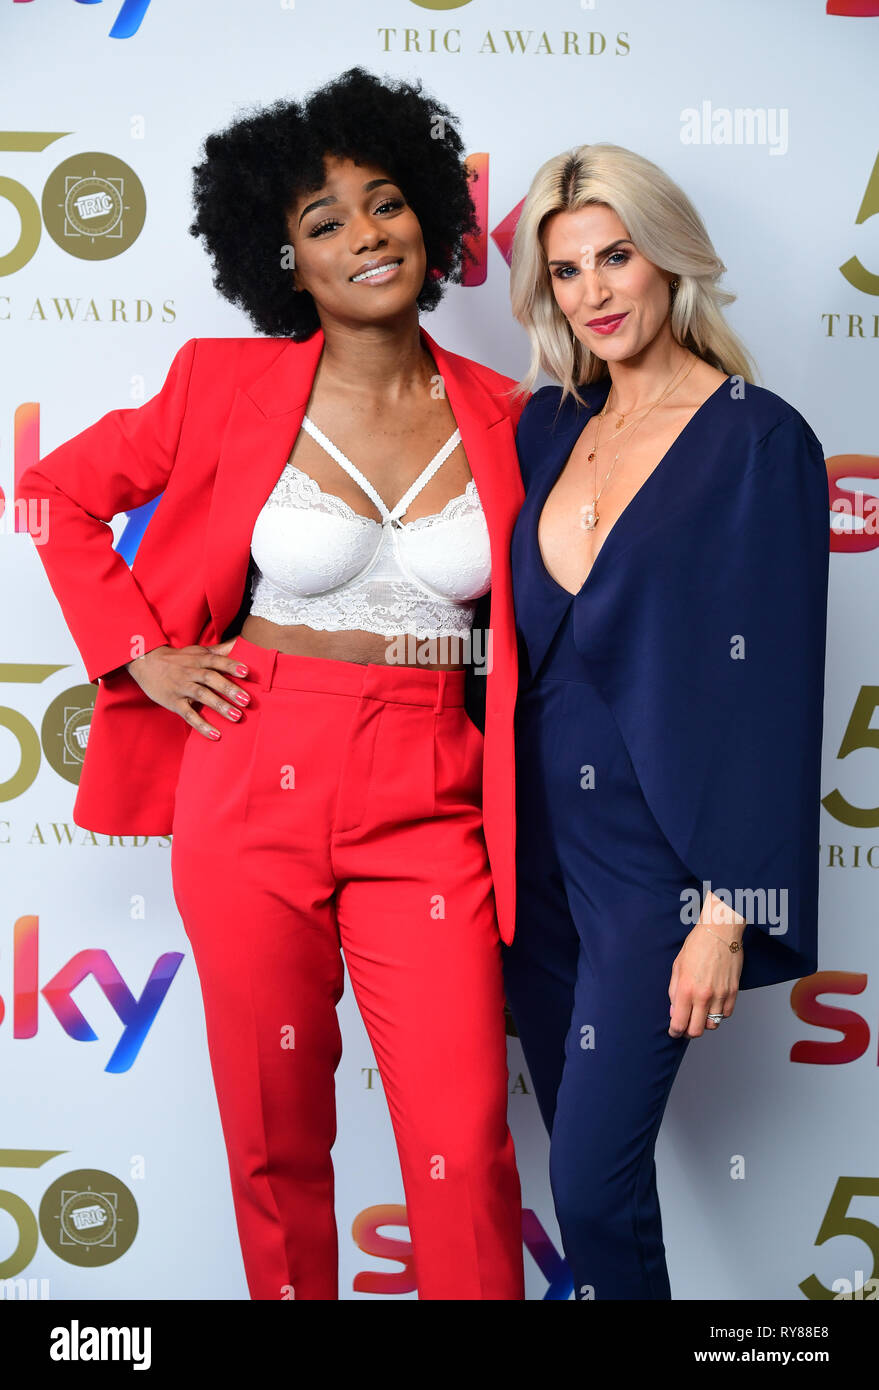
column 379, row 847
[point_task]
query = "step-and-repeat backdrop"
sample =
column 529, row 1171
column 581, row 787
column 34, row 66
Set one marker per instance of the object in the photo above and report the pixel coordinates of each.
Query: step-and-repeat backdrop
column 113, row 1178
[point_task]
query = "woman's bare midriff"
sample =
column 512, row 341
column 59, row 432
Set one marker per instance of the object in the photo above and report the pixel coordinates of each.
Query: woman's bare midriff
column 444, row 654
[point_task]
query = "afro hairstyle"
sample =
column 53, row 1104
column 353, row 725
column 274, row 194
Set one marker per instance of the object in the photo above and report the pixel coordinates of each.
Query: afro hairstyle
column 253, row 171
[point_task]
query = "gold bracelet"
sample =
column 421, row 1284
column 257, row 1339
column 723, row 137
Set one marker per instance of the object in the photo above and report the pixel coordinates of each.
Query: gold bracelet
column 733, row 945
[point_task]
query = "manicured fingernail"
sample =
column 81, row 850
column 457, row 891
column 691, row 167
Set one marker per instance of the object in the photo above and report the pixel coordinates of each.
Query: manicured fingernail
column 241, row 670
column 213, row 734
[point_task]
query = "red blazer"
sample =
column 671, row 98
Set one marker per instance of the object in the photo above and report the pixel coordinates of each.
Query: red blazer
column 214, row 441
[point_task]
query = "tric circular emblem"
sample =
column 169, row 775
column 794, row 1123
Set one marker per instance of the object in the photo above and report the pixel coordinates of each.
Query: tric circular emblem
column 94, row 206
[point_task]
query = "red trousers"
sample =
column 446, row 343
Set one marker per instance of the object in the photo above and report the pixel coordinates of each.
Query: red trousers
column 343, row 810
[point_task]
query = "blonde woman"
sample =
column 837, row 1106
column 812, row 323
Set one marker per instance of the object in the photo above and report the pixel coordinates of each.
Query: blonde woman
column 670, row 585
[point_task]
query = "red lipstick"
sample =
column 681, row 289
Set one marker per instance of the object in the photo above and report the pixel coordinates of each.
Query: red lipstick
column 609, row 324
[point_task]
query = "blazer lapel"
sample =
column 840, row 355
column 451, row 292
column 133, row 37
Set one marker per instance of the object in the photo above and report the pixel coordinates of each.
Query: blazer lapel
column 261, row 430
column 490, row 446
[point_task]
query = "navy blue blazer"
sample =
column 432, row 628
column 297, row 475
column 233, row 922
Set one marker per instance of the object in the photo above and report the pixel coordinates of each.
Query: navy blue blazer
column 702, row 623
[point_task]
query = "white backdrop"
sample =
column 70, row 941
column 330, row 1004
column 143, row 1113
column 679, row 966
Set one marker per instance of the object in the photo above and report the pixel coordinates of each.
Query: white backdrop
column 756, row 1142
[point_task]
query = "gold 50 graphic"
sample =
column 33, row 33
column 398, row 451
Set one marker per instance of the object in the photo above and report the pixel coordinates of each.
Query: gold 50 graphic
column 63, row 737
column 858, row 734
column 87, row 1217
column 837, row 1222
column 858, row 276
column 93, row 204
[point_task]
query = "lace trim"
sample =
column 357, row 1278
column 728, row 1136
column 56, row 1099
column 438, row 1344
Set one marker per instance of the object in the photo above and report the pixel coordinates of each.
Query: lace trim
column 463, row 505
column 296, row 489
column 347, row 611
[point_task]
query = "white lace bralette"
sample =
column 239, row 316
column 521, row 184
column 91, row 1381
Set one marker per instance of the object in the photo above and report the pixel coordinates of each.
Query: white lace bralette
column 319, row 563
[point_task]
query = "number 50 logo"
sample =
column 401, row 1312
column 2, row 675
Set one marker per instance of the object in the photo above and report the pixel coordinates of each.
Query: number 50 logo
column 87, row 1217
column 93, row 204
column 837, row 1222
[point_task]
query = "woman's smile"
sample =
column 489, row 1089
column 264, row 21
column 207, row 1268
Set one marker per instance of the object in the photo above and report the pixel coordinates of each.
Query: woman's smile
column 378, row 271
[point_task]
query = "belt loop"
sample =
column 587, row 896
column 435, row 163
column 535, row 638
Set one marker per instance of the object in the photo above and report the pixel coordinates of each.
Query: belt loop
column 440, row 691
column 269, row 675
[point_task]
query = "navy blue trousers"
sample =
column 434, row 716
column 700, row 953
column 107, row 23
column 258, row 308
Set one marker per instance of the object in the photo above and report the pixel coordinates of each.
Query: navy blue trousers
column 598, row 928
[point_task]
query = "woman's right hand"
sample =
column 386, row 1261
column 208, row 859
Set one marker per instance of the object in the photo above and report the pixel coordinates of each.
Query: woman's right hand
column 175, row 676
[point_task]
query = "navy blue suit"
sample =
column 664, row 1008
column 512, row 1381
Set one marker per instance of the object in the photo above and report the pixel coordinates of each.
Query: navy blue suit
column 668, row 736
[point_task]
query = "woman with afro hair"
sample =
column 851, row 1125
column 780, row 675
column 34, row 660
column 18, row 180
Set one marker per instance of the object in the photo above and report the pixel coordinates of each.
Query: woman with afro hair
column 297, row 681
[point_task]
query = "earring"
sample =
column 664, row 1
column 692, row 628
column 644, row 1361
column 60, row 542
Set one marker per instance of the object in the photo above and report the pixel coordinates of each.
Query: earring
column 673, row 284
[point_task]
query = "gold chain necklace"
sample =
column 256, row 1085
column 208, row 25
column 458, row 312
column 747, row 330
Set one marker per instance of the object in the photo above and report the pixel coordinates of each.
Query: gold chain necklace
column 621, row 428
column 590, row 509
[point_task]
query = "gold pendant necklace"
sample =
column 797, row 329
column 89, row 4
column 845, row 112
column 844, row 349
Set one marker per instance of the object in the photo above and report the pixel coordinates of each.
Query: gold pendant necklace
column 619, row 425
column 590, row 509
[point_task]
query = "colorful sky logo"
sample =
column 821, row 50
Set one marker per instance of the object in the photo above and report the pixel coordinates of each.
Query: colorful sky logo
column 135, row 1014
column 128, row 20
column 854, row 9
column 366, row 1231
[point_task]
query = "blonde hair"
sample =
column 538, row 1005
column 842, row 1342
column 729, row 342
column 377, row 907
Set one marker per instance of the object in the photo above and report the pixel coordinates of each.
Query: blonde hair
column 665, row 227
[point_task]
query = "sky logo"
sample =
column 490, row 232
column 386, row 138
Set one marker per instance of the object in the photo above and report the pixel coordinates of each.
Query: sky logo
column 366, row 1231
column 135, row 1015
column 128, row 20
